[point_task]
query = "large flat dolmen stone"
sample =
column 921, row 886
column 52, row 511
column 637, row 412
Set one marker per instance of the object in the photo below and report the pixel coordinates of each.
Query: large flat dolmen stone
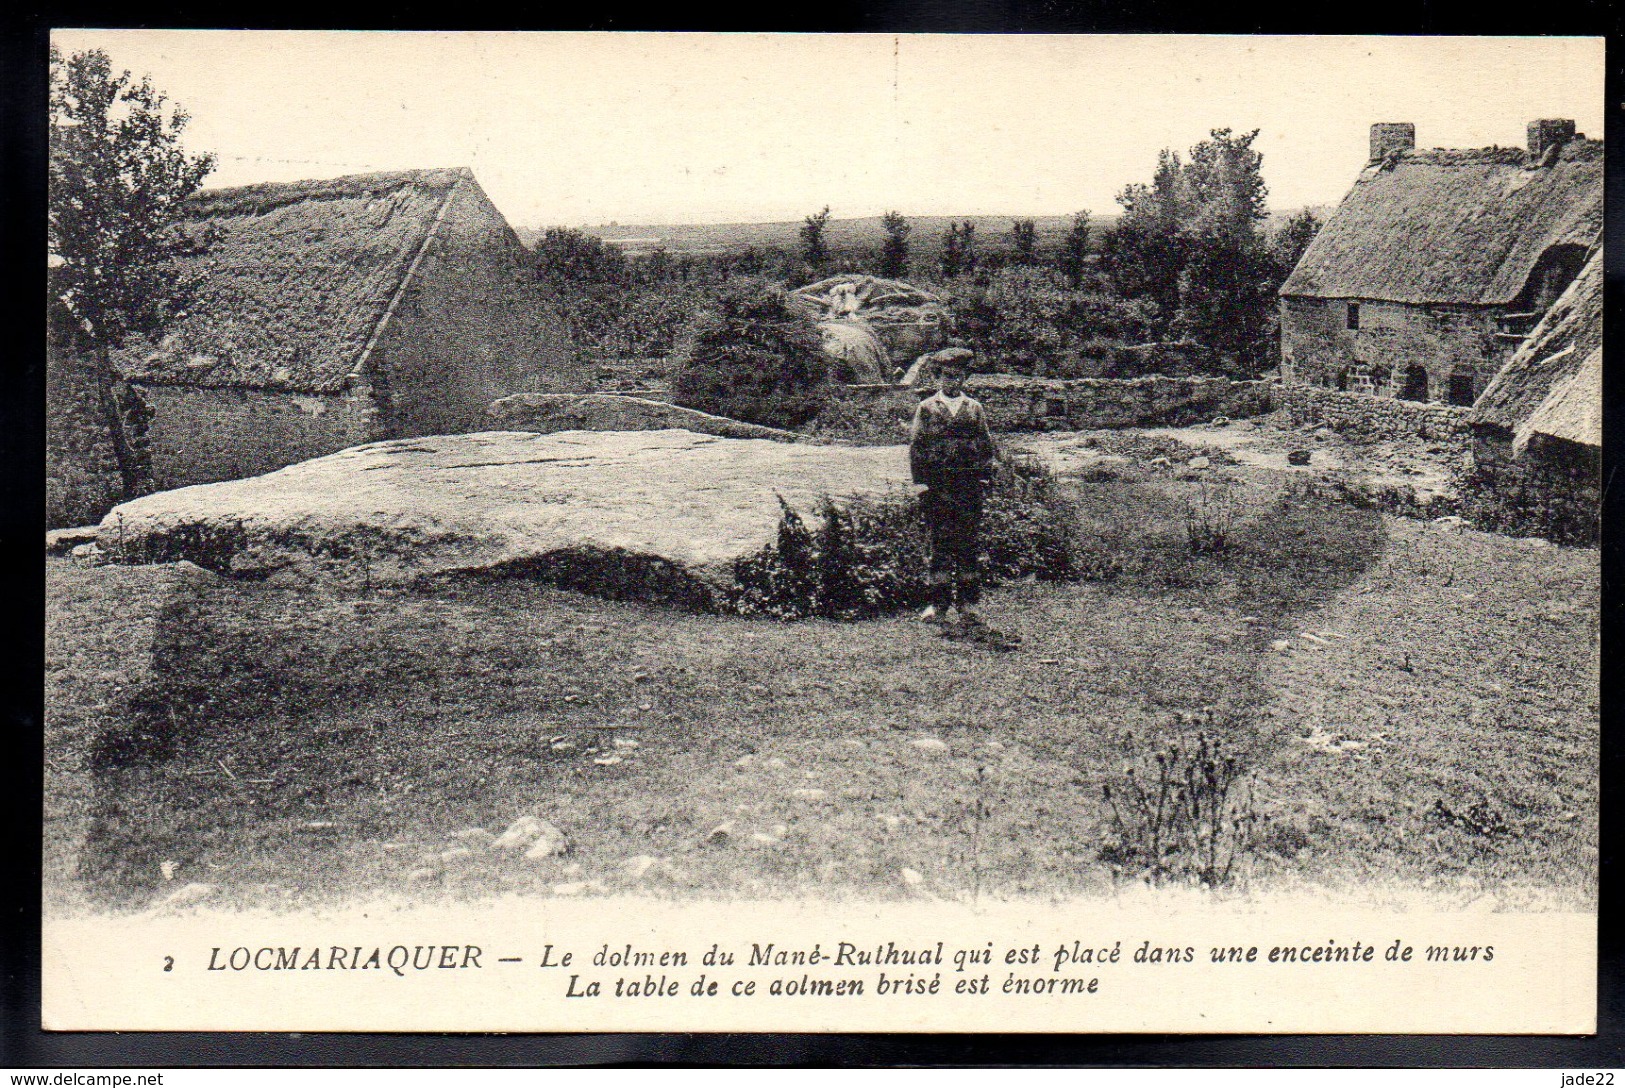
column 660, row 515
column 546, row 413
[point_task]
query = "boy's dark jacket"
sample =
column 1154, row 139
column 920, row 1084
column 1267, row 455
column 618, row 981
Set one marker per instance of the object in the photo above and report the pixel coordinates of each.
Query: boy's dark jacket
column 947, row 450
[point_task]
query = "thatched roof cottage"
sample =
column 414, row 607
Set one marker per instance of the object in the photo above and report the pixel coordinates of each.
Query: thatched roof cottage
column 1537, row 430
column 1438, row 262
column 332, row 313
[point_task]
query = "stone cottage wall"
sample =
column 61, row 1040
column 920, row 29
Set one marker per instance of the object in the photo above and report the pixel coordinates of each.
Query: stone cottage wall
column 472, row 328
column 1553, row 489
column 82, row 480
column 201, row 435
column 1365, row 418
column 1316, row 342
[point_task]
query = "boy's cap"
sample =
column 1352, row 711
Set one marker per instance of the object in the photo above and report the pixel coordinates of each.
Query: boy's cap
column 958, row 358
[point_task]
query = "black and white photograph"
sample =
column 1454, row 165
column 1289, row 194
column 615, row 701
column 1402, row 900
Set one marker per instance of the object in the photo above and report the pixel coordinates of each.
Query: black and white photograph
column 906, row 531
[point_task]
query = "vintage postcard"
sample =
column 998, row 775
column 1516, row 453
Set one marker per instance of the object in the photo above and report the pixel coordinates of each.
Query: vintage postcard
column 822, row 532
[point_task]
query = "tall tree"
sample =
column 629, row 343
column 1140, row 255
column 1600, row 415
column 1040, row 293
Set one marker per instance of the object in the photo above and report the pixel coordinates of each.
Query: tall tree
column 894, row 252
column 1075, row 250
column 813, row 248
column 1190, row 242
column 1024, row 241
column 118, row 175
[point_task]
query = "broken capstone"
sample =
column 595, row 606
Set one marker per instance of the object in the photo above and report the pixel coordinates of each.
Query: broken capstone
column 663, row 515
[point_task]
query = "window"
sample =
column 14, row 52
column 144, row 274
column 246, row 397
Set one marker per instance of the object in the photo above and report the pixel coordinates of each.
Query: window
column 1354, row 315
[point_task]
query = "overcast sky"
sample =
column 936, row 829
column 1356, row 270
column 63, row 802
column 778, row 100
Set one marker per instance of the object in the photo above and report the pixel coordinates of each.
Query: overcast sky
column 662, row 128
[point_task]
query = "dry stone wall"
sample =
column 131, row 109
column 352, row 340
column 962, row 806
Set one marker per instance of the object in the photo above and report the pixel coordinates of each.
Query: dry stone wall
column 1036, row 404
column 546, row 413
column 1365, row 418
column 1552, row 490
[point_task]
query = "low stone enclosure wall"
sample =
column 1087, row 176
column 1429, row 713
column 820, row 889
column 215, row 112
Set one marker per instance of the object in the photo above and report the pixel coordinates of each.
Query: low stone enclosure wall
column 1014, row 402
column 1018, row 403
column 1365, row 418
column 548, row 413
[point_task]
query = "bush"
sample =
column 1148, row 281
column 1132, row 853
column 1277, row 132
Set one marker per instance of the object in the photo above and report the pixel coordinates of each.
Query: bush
column 869, row 556
column 1027, row 320
column 1210, row 519
column 1182, row 814
column 754, row 356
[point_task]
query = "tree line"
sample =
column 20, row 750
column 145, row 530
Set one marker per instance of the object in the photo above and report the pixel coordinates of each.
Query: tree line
column 1189, row 262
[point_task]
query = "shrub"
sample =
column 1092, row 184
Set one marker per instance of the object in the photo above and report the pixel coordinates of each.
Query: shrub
column 1028, row 526
column 869, row 556
column 1181, row 814
column 753, row 355
column 1210, row 519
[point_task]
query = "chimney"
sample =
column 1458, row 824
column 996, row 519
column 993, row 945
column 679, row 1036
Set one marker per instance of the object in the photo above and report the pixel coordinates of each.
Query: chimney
column 1392, row 137
column 1548, row 133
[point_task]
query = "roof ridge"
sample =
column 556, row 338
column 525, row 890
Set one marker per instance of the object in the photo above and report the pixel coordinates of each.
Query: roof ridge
column 406, row 279
column 264, row 196
column 1577, row 148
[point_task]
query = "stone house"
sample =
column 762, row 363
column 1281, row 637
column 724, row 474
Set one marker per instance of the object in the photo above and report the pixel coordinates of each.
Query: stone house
column 1438, row 262
column 1537, row 430
column 337, row 312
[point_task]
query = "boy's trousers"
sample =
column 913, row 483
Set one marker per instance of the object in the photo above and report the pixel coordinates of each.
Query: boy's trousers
column 952, row 512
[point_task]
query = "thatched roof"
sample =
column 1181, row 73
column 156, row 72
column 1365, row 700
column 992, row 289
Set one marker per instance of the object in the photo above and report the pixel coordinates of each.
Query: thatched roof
column 1553, row 384
column 297, row 279
column 1453, row 227
column 1573, row 411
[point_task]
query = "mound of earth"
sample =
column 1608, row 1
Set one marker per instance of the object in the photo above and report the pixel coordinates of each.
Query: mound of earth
column 547, row 413
column 651, row 515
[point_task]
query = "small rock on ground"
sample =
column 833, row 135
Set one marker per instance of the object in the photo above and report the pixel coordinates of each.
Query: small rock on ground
column 550, row 842
column 521, row 833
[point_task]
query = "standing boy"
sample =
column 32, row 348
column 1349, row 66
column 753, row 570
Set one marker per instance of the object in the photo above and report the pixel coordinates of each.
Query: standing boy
column 951, row 452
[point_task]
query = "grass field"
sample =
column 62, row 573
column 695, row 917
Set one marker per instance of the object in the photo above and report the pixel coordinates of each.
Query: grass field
column 1414, row 707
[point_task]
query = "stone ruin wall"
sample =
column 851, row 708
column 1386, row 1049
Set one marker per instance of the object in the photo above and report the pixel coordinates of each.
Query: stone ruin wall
column 82, row 480
column 199, row 435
